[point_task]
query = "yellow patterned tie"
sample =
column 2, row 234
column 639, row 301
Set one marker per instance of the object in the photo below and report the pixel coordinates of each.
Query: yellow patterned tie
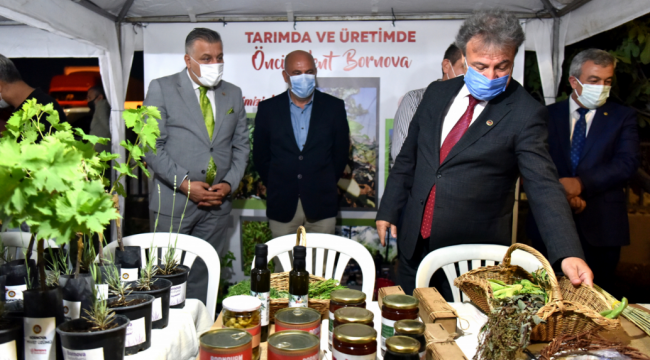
column 208, row 116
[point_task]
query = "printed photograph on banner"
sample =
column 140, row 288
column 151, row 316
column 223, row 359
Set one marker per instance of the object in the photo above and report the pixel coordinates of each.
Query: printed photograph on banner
column 358, row 186
column 251, row 192
column 254, row 230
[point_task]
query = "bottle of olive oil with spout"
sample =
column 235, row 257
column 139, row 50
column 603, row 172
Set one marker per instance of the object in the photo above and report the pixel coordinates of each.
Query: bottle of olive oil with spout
column 299, row 279
column 261, row 286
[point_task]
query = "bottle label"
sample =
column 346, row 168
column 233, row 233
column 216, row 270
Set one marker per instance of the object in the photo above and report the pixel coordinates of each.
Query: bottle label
column 264, row 309
column 156, row 309
column 331, row 330
column 71, row 309
column 40, row 343
column 298, row 300
column 129, row 274
column 387, row 330
column 8, row 350
column 14, row 293
column 337, row 355
column 177, row 294
column 92, row 354
column 136, row 332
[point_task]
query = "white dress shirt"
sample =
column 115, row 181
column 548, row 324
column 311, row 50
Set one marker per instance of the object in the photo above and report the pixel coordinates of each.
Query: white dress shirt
column 573, row 110
column 209, row 94
column 456, row 111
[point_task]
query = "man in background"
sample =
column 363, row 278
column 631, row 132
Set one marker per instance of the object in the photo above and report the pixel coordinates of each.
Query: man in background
column 101, row 110
column 453, row 65
column 203, row 139
column 301, row 146
column 595, row 146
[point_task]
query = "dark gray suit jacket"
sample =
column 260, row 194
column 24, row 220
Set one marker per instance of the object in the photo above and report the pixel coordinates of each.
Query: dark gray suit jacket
column 476, row 182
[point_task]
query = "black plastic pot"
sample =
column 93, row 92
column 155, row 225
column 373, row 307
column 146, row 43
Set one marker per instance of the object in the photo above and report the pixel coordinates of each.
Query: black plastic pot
column 130, row 261
column 179, row 287
column 43, row 313
column 77, row 295
column 16, row 273
column 161, row 290
column 77, row 339
column 3, row 282
column 138, row 333
column 12, row 339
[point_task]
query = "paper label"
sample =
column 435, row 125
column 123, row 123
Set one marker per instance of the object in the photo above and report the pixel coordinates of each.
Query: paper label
column 102, row 291
column 314, row 330
column 40, row 343
column 8, row 351
column 177, row 294
column 129, row 274
column 14, row 292
column 205, row 354
column 136, row 332
column 337, row 355
column 423, row 355
column 331, row 330
column 92, row 354
column 71, row 309
column 272, row 355
column 156, row 309
column 387, row 330
column 298, row 300
column 264, row 309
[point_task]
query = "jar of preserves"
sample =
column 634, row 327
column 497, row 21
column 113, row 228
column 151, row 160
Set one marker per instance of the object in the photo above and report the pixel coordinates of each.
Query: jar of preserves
column 344, row 298
column 243, row 312
column 305, row 319
column 394, row 308
column 352, row 315
column 402, row 348
column 354, row 342
column 413, row 329
column 225, row 344
column 293, row 345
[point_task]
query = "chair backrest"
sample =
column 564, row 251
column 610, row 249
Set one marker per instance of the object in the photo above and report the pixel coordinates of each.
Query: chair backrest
column 327, row 248
column 468, row 257
column 189, row 247
column 17, row 241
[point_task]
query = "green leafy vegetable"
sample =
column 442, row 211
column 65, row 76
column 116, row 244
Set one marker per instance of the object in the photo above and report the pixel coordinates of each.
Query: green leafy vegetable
column 318, row 290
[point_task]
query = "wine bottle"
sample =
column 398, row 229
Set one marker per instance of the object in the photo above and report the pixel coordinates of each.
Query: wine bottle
column 299, row 279
column 261, row 285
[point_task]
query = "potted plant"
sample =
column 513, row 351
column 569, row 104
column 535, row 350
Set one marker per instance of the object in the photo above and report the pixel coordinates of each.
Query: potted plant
column 77, row 289
column 137, row 307
column 15, row 274
column 160, row 289
column 11, row 335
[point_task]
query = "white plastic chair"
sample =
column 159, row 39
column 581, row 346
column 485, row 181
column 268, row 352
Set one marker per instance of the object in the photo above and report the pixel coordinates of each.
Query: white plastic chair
column 189, row 247
column 17, row 241
column 466, row 256
column 326, row 247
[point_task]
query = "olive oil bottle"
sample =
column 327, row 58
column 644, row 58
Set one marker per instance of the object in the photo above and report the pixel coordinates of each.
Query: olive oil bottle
column 261, row 285
column 299, row 279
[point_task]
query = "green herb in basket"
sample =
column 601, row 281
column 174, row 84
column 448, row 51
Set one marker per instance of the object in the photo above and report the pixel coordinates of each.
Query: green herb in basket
column 318, row 290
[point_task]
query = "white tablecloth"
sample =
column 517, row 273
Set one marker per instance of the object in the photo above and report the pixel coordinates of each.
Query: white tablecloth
column 180, row 339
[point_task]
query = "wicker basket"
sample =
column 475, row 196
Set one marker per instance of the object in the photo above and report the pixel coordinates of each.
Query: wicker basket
column 280, row 281
column 570, row 310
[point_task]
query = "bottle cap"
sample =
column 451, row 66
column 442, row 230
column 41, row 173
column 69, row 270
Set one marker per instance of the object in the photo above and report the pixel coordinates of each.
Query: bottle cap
column 409, row 327
column 241, row 303
column 261, row 250
column 299, row 251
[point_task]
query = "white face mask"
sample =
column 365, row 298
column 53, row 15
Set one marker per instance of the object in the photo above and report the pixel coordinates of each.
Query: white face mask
column 593, row 96
column 210, row 73
column 3, row 103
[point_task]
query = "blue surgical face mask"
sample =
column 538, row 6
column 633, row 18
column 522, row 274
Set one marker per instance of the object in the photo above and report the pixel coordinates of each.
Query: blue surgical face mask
column 483, row 88
column 303, row 85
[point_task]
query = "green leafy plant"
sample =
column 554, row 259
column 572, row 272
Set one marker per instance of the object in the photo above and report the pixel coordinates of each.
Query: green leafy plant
column 100, row 315
column 253, row 233
column 59, row 263
column 116, row 286
column 147, row 273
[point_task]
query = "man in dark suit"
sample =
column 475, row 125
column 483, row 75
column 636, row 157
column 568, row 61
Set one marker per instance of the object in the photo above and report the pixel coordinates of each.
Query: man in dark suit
column 468, row 142
column 594, row 145
column 300, row 148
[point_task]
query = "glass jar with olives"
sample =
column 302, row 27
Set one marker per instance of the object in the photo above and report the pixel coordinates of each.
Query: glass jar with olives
column 243, row 312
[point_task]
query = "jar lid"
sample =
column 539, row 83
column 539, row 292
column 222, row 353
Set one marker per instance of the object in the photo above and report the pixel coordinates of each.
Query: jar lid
column 400, row 301
column 225, row 338
column 409, row 327
column 293, row 340
column 241, row 303
column 297, row 315
column 354, row 315
column 402, row 345
column 348, row 296
column 355, row 333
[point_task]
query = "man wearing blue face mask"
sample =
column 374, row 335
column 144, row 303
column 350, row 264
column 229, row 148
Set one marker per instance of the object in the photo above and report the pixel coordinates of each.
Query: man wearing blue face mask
column 301, row 146
column 595, row 145
column 469, row 140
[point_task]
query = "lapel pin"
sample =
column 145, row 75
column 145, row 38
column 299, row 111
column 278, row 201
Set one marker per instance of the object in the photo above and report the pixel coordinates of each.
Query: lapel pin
column 605, row 114
column 489, row 122
column 223, row 93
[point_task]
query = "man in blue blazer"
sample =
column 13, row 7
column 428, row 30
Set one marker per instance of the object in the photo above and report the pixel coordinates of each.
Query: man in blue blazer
column 594, row 145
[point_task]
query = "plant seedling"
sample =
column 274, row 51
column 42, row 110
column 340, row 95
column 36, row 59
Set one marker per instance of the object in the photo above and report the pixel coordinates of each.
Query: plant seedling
column 100, row 315
column 148, row 271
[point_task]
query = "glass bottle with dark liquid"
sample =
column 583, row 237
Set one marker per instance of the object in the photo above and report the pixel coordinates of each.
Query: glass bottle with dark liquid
column 261, row 285
column 299, row 279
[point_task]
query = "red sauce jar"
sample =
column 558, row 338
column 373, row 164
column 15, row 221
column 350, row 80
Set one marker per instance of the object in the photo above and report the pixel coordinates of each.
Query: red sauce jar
column 344, row 298
column 293, row 345
column 354, row 342
column 394, row 308
column 226, row 344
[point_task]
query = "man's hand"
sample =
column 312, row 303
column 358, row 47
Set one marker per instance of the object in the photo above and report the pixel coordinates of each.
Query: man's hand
column 572, row 186
column 382, row 226
column 577, row 271
column 200, row 193
column 577, row 204
column 222, row 189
